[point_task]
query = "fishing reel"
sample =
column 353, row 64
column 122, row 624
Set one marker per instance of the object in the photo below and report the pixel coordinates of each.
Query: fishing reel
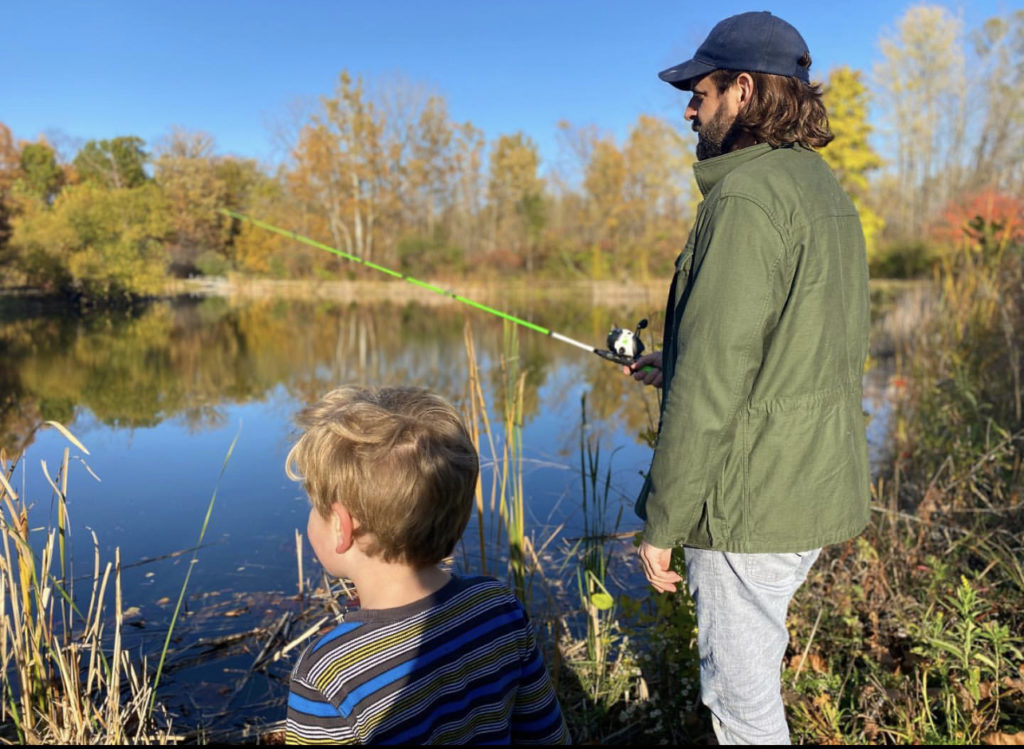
column 624, row 346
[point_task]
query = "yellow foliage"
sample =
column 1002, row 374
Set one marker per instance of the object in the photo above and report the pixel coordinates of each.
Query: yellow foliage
column 850, row 155
column 97, row 240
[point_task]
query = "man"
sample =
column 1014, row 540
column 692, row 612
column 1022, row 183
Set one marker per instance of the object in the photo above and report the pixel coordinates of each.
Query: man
column 761, row 456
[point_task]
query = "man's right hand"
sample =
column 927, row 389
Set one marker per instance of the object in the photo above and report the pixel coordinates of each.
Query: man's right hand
column 657, row 565
column 651, row 376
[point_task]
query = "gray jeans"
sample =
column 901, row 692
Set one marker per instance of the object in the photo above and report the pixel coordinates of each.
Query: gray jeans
column 742, row 600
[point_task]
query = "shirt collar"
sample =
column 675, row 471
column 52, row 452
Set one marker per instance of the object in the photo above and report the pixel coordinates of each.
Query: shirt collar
column 710, row 171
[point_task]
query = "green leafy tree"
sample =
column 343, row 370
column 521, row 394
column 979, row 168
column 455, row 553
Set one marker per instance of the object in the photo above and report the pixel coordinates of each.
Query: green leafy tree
column 118, row 162
column 41, row 175
column 96, row 242
column 850, row 155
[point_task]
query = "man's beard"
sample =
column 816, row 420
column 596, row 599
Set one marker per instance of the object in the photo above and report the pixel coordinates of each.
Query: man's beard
column 716, row 136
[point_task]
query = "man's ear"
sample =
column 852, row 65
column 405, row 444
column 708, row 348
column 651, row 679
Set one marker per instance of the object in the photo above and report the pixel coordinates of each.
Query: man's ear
column 343, row 525
column 744, row 84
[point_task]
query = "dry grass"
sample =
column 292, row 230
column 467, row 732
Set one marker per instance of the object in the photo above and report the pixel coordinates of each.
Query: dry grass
column 67, row 678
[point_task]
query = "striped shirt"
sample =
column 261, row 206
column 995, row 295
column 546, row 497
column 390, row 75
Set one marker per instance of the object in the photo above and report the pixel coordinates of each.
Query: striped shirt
column 459, row 666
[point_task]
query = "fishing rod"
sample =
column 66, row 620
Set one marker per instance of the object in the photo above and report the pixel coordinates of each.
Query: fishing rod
column 624, row 346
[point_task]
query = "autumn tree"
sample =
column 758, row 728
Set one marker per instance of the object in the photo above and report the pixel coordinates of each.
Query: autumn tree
column 604, row 183
column 850, row 154
column 250, row 190
column 117, row 162
column 340, row 172
column 186, row 170
column 427, row 189
column 256, row 250
column 922, row 80
column 657, row 195
column 515, row 198
column 10, row 171
column 998, row 154
column 430, row 169
column 468, row 187
column 632, row 205
column 954, row 114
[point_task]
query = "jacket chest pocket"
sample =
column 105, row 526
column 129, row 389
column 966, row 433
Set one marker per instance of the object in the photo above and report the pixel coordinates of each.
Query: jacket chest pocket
column 684, row 264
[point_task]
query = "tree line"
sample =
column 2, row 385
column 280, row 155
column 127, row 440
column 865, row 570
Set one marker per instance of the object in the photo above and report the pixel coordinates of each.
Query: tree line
column 387, row 175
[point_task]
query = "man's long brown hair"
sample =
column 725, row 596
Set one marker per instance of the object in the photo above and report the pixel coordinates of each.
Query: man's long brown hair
column 784, row 110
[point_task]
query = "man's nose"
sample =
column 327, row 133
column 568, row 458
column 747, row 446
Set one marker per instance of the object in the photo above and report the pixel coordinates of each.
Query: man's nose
column 691, row 113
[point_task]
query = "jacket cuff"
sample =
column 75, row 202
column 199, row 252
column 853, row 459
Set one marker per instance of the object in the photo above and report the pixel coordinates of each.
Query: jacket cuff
column 658, row 539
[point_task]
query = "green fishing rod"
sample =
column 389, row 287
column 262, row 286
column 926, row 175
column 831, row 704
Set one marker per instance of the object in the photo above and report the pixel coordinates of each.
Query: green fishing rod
column 624, row 346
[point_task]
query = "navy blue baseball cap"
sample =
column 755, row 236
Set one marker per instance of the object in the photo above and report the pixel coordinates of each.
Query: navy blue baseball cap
column 757, row 42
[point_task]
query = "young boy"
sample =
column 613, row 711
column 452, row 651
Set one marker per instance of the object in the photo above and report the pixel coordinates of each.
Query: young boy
column 429, row 657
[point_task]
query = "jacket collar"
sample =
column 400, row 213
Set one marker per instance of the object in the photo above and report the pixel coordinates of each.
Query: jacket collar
column 710, row 171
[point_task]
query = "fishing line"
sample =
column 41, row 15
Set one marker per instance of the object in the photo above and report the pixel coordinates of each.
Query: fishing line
column 626, row 344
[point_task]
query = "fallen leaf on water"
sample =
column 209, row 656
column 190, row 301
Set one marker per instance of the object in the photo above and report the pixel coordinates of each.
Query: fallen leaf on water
column 150, row 574
column 131, row 611
column 1004, row 739
column 163, row 601
column 237, row 612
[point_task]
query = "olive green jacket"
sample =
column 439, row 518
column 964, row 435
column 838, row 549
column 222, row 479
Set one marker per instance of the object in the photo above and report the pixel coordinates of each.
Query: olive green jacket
column 761, row 445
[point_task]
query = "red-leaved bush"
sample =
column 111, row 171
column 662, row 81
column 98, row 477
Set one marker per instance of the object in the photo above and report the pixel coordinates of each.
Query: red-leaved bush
column 985, row 219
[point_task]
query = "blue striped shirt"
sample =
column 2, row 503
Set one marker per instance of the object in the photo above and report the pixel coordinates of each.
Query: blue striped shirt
column 460, row 666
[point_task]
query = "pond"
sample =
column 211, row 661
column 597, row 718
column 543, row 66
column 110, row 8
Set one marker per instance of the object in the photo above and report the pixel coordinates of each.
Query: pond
column 190, row 401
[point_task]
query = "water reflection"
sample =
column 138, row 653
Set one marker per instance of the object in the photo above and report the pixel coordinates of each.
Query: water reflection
column 188, row 360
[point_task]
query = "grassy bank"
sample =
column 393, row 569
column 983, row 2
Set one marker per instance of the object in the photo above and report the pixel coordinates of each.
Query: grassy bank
column 913, row 633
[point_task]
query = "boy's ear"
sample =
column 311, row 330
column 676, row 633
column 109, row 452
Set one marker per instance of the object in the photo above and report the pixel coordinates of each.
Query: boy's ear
column 343, row 524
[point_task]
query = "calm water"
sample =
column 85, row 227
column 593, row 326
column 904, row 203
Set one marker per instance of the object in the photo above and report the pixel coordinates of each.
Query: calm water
column 159, row 396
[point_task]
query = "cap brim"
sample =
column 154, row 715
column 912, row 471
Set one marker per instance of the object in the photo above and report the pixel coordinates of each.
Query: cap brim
column 683, row 75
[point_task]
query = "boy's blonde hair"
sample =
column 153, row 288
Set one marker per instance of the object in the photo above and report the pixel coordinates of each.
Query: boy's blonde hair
column 399, row 459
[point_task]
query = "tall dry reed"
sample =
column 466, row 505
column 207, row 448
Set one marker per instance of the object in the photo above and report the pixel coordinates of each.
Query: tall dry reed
column 67, row 678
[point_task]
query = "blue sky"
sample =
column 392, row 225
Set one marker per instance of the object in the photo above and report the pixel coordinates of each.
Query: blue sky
column 233, row 68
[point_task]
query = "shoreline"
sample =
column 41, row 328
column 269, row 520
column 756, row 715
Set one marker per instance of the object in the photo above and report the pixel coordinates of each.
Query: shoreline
column 599, row 292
